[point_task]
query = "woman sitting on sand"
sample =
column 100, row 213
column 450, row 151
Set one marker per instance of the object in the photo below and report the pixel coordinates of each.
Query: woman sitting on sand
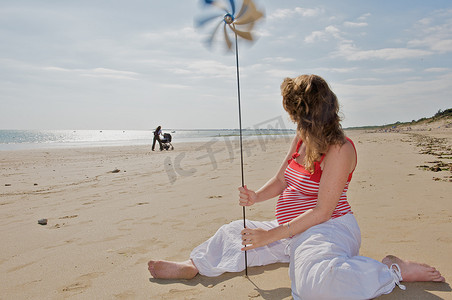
column 315, row 229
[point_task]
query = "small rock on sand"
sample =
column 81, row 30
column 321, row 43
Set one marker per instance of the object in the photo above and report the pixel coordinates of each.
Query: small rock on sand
column 42, row 222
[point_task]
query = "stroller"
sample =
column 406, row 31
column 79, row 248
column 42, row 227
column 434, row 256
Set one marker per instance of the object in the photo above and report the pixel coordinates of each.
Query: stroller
column 166, row 141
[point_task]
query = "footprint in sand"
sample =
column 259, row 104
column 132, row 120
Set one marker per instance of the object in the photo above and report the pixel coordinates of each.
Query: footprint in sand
column 254, row 294
column 75, row 286
column 20, row 267
column 143, row 247
column 83, row 282
column 68, row 217
column 66, row 242
column 126, row 295
column 124, row 221
column 57, row 226
column 180, row 294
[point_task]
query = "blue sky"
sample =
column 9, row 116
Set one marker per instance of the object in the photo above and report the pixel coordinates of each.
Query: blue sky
column 141, row 63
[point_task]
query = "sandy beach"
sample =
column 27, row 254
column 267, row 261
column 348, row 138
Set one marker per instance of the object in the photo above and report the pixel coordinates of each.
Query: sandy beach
column 109, row 210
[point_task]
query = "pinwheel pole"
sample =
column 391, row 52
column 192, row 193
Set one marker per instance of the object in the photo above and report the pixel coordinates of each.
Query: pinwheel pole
column 240, row 133
column 246, row 18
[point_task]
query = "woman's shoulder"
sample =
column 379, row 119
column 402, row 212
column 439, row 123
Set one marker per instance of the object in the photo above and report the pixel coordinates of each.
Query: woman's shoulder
column 347, row 146
column 341, row 151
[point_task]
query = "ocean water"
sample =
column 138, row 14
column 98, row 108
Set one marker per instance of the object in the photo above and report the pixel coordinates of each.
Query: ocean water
column 42, row 139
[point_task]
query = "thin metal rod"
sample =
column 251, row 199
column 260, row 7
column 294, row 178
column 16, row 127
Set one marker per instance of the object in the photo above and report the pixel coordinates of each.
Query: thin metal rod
column 241, row 143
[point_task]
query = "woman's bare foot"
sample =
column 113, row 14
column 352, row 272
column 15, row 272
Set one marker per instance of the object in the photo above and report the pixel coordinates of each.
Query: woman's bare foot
column 413, row 271
column 172, row 270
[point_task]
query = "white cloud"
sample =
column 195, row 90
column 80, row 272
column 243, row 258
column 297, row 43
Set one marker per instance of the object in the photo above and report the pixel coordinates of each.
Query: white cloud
column 180, row 71
column 437, row 70
column 175, row 86
column 364, row 16
column 315, row 36
column 424, row 21
column 389, row 70
column 185, row 35
column 363, row 79
column 337, row 70
column 261, row 32
column 443, row 46
column 307, row 12
column 352, row 53
column 434, row 32
column 332, row 30
column 355, row 24
column 403, row 98
column 57, row 69
column 190, row 68
column 96, row 72
column 279, row 59
column 281, row 73
column 298, row 11
column 109, row 73
column 324, row 35
column 435, row 43
column 211, row 69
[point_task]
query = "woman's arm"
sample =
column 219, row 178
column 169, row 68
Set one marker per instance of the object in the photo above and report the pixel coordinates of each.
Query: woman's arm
column 339, row 163
column 273, row 187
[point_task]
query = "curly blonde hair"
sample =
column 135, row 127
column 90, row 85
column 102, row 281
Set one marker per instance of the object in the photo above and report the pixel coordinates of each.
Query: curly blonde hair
column 314, row 108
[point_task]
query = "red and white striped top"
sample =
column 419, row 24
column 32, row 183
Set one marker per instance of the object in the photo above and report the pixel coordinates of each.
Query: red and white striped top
column 302, row 191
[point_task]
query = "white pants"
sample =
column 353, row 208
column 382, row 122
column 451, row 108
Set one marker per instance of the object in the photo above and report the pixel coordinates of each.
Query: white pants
column 324, row 261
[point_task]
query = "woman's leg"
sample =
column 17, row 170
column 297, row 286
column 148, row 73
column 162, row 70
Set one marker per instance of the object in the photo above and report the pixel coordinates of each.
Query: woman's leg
column 221, row 253
column 153, row 143
column 325, row 265
column 319, row 254
column 172, row 270
column 413, row 271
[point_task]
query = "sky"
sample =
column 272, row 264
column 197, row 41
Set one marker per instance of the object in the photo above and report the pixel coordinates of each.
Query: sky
column 137, row 64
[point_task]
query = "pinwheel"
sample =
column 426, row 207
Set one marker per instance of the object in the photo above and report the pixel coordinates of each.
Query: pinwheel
column 240, row 25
